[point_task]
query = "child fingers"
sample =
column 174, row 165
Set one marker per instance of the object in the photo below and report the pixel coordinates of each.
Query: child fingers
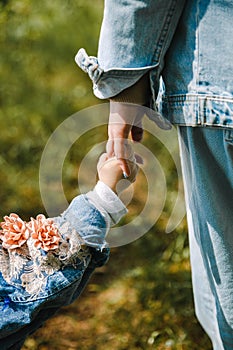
column 102, row 159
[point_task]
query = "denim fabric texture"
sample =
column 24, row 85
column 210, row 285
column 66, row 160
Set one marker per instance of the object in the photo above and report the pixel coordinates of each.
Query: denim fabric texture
column 187, row 47
column 22, row 313
column 209, row 201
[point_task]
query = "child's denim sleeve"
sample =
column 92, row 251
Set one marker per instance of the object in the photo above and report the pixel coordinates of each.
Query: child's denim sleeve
column 37, row 279
column 92, row 214
column 87, row 220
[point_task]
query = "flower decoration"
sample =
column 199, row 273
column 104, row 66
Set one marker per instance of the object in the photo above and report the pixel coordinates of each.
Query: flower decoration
column 14, row 232
column 44, row 232
column 31, row 252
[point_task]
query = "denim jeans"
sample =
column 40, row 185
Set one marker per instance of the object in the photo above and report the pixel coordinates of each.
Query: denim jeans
column 207, row 163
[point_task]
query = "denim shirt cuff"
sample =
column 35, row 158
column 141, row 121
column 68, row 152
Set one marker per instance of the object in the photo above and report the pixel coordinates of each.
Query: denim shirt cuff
column 111, row 82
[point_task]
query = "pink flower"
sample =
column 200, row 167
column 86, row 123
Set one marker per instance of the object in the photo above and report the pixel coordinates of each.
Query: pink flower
column 14, row 232
column 44, row 232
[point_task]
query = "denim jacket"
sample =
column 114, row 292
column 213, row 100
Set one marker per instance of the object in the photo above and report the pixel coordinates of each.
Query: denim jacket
column 187, row 48
column 35, row 283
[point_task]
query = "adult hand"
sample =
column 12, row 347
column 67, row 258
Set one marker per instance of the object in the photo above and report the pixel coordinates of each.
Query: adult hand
column 125, row 119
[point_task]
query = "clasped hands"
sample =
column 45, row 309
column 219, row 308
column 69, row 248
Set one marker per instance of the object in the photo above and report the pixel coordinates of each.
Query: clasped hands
column 125, row 120
column 120, row 162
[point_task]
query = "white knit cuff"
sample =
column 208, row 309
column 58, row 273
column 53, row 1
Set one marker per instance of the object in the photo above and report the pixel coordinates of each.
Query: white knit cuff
column 105, row 199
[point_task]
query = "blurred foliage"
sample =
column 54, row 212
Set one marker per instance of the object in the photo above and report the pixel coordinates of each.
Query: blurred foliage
column 40, row 86
column 142, row 299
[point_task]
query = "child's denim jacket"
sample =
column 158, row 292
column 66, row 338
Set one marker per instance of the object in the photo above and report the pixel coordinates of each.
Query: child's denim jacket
column 187, row 43
column 53, row 263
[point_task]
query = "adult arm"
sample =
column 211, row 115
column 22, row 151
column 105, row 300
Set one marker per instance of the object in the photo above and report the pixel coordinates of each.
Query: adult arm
column 134, row 38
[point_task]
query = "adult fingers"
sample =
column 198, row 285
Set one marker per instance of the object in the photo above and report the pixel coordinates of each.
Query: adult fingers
column 137, row 133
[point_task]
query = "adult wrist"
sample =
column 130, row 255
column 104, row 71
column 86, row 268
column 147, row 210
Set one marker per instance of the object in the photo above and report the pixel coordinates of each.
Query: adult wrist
column 138, row 93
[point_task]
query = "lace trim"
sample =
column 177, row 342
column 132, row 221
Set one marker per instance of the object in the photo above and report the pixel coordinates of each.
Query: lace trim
column 29, row 266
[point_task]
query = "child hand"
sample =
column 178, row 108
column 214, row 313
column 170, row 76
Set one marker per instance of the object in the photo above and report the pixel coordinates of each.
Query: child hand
column 110, row 171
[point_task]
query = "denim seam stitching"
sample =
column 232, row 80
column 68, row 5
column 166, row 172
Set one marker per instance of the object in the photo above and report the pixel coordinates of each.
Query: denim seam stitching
column 163, row 36
column 182, row 98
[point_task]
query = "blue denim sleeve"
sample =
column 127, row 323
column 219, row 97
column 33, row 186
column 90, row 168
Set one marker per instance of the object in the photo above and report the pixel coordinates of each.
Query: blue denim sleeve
column 134, row 38
column 33, row 287
column 87, row 220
